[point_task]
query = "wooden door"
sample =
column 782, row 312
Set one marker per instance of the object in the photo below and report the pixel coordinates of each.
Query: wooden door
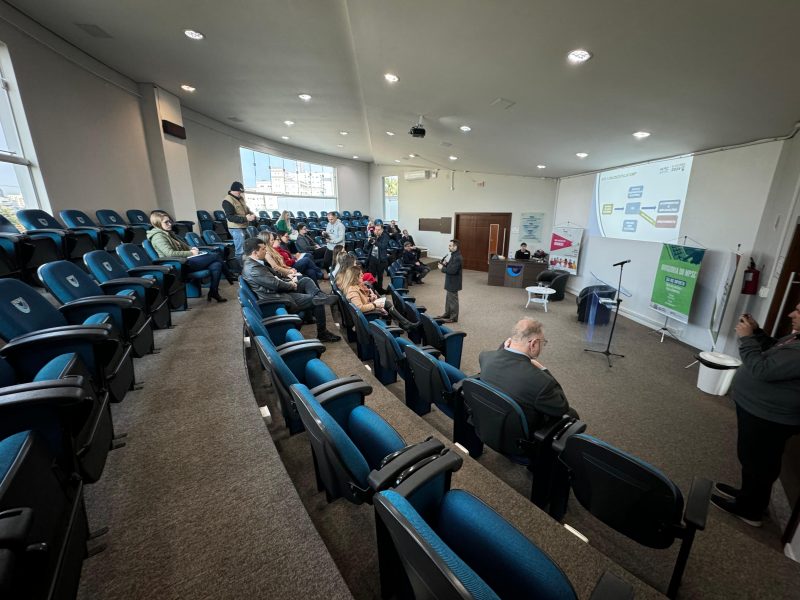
column 787, row 292
column 482, row 234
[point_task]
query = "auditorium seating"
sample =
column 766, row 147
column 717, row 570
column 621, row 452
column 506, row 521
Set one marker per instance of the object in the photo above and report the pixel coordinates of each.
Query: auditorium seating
column 25, row 313
column 432, row 381
column 138, row 217
column 389, row 358
column 107, row 238
column 22, row 253
column 79, row 293
column 450, row 343
column 636, row 499
column 72, row 244
column 167, row 273
column 194, row 280
column 137, row 231
column 114, row 277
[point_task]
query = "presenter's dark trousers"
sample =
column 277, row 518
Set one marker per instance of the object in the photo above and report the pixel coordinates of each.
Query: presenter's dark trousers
column 451, row 305
column 760, row 447
column 377, row 268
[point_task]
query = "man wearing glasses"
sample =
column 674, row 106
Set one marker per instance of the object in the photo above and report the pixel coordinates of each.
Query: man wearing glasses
column 515, row 370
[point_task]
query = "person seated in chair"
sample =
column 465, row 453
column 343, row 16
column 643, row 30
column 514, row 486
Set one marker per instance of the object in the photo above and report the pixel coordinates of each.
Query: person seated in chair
column 373, row 305
column 515, row 370
column 302, row 262
column 306, row 244
column 169, row 245
column 410, row 260
column 407, row 238
column 299, row 294
column 523, row 253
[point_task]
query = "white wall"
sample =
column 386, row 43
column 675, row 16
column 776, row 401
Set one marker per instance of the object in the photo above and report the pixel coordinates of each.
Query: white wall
column 724, row 205
column 214, row 162
column 445, row 196
column 84, row 120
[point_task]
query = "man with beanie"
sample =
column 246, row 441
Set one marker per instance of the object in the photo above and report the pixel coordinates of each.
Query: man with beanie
column 239, row 216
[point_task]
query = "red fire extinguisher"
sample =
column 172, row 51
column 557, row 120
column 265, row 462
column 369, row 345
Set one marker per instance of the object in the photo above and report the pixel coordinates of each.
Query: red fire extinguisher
column 750, row 280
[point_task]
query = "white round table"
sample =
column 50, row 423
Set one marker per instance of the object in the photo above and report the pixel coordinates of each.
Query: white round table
column 539, row 295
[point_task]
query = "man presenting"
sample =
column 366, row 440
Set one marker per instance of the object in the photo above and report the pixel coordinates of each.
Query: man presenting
column 333, row 234
column 297, row 296
column 766, row 390
column 451, row 267
column 238, row 215
column 516, row 371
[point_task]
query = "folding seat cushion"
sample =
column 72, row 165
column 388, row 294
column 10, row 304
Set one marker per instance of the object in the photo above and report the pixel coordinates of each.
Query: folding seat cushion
column 73, row 288
column 205, row 220
column 389, row 357
column 279, row 328
column 114, row 277
column 36, row 333
column 72, row 244
column 447, row 543
column 104, row 237
column 168, row 274
column 43, row 527
column 448, row 342
column 29, row 250
column 136, row 232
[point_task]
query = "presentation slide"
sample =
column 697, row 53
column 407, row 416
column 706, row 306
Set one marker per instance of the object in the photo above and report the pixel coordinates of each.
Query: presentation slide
column 643, row 202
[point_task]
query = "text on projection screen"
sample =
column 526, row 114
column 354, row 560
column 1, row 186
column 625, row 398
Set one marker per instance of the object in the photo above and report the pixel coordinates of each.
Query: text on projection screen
column 643, row 202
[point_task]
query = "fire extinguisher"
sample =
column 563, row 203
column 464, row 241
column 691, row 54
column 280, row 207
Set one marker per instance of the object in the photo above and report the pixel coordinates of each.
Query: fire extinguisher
column 750, row 280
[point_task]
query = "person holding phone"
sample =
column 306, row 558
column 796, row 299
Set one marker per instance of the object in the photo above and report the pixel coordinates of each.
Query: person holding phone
column 766, row 390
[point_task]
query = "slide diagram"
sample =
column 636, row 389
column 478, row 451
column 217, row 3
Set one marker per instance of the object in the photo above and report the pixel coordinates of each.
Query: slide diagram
column 643, row 202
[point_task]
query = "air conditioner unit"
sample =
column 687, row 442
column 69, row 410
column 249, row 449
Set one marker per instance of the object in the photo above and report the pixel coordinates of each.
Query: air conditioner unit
column 417, row 175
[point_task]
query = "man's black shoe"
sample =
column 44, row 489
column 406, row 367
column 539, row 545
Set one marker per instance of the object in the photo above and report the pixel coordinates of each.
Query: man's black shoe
column 726, row 491
column 442, row 317
column 323, row 299
column 327, row 336
column 730, row 506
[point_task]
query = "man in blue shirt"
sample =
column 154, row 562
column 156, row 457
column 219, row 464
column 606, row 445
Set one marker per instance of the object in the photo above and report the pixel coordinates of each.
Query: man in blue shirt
column 333, row 234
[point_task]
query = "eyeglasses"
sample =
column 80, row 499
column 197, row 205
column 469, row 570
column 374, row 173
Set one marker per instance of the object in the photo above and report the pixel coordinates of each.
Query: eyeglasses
column 541, row 341
column 166, row 222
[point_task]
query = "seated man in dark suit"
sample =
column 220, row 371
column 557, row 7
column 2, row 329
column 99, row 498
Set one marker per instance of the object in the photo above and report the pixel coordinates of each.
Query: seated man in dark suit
column 523, row 253
column 516, row 371
column 298, row 293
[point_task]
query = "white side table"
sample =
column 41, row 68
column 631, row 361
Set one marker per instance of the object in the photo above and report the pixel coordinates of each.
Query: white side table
column 539, row 295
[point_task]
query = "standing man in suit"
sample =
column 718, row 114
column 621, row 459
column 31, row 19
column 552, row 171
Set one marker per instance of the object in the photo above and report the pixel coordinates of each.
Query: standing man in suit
column 377, row 249
column 451, row 267
column 515, row 370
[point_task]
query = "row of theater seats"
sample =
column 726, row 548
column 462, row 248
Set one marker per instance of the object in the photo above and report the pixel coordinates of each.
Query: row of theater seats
column 622, row 491
column 60, row 369
column 433, row 541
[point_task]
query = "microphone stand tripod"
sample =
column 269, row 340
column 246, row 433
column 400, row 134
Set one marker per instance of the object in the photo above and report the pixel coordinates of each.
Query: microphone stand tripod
column 607, row 352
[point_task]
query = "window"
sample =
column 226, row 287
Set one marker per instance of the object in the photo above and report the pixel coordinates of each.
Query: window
column 277, row 183
column 390, row 187
column 17, row 189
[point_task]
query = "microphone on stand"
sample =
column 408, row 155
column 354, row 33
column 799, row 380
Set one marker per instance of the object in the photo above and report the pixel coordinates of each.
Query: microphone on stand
column 622, row 262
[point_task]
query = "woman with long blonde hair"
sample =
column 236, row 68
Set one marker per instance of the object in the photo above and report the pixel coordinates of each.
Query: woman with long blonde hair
column 367, row 301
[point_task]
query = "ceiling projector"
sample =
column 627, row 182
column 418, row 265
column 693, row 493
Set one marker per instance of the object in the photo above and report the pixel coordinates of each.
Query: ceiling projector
column 418, row 130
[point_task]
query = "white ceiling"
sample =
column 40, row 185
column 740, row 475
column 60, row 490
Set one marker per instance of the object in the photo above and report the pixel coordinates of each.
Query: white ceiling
column 698, row 74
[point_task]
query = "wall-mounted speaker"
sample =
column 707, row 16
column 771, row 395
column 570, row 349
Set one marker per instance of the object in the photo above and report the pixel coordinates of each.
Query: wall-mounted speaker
column 173, row 129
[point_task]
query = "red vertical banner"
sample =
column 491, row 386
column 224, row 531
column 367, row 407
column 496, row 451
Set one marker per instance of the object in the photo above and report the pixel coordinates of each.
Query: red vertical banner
column 565, row 247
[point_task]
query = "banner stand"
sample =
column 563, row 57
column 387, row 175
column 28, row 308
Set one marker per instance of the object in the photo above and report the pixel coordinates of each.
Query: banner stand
column 665, row 331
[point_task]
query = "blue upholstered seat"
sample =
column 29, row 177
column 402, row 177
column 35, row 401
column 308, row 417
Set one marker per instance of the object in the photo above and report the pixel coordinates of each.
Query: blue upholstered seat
column 431, row 381
column 136, row 232
column 72, row 244
column 107, row 237
column 137, row 217
column 80, row 294
column 168, row 274
column 114, row 276
column 389, row 358
column 450, row 343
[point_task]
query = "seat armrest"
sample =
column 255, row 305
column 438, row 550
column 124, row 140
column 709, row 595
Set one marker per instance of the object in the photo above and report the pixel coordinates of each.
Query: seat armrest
column 179, row 260
column 137, row 271
column 358, row 387
column 290, row 348
column 421, row 473
column 432, row 351
column 396, row 463
column 407, row 298
column 33, row 386
column 453, row 334
column 56, row 397
column 611, row 587
column 329, row 385
column 395, row 331
column 123, row 281
column 119, row 301
column 60, row 232
column 401, row 291
column 696, row 511
column 565, row 432
column 281, row 319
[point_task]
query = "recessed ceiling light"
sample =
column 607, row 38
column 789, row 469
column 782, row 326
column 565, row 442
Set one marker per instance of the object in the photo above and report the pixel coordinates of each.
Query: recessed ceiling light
column 343, row 132
column 340, row 145
column 284, row 137
column 304, row 97
column 412, row 156
column 391, row 78
column 396, row 160
column 465, row 128
column 355, row 156
column 541, row 166
column 288, row 123
column 640, row 135
column 581, row 154
column 579, row 56
column 453, row 158
column 188, row 88
column 192, row 34
column 390, row 133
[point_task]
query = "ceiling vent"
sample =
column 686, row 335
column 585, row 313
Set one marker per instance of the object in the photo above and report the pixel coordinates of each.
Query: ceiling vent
column 418, row 175
column 94, row 30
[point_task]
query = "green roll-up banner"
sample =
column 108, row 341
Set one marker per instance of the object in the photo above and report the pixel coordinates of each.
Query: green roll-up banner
column 675, row 281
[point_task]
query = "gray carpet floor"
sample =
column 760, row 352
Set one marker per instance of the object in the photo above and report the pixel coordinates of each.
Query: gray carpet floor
column 198, row 502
